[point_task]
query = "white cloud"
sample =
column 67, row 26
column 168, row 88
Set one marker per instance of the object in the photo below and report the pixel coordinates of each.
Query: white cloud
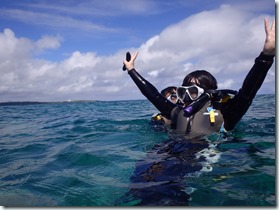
column 224, row 41
column 80, row 84
column 49, row 42
column 227, row 84
column 80, row 60
column 12, row 47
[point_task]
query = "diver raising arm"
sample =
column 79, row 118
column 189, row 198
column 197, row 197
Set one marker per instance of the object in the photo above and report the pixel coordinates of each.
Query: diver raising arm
column 238, row 106
column 148, row 90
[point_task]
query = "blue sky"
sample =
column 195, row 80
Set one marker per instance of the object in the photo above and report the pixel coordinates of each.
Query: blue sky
column 54, row 50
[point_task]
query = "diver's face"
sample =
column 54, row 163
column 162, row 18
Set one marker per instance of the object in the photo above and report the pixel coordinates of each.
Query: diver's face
column 189, row 92
column 171, row 96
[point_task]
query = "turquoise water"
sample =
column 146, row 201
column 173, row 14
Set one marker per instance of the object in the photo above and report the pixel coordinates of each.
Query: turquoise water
column 107, row 154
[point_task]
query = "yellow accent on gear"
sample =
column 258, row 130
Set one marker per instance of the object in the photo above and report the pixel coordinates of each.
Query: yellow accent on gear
column 212, row 116
column 225, row 99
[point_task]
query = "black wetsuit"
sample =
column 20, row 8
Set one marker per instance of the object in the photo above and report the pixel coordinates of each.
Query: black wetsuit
column 233, row 110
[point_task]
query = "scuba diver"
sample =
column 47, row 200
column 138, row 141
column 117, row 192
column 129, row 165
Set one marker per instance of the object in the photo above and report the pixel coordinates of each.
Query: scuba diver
column 170, row 94
column 159, row 122
column 161, row 178
column 206, row 109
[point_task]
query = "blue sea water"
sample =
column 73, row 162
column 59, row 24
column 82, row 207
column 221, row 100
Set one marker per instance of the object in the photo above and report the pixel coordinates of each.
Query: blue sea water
column 107, row 154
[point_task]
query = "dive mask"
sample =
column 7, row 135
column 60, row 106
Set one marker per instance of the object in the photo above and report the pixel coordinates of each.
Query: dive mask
column 172, row 98
column 189, row 93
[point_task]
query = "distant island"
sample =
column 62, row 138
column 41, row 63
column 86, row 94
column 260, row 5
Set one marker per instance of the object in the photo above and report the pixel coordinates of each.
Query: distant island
column 13, row 103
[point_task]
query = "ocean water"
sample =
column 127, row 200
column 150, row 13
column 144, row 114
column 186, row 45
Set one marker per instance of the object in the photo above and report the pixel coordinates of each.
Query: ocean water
column 108, row 154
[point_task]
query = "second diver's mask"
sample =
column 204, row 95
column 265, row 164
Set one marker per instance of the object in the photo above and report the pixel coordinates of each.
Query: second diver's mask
column 189, row 93
column 172, row 98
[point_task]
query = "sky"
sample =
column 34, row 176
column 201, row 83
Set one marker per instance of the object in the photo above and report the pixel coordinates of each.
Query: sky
column 57, row 50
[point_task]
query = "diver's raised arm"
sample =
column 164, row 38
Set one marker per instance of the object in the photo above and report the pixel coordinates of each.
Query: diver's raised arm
column 238, row 106
column 263, row 62
column 147, row 89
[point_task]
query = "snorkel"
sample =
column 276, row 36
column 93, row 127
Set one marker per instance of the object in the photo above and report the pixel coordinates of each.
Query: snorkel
column 128, row 58
column 196, row 105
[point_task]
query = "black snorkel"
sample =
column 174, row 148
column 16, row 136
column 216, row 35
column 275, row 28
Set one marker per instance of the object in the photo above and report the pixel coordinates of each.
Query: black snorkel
column 128, row 58
column 196, row 105
column 214, row 95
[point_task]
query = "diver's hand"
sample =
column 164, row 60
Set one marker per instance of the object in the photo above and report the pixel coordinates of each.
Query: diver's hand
column 131, row 64
column 269, row 45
